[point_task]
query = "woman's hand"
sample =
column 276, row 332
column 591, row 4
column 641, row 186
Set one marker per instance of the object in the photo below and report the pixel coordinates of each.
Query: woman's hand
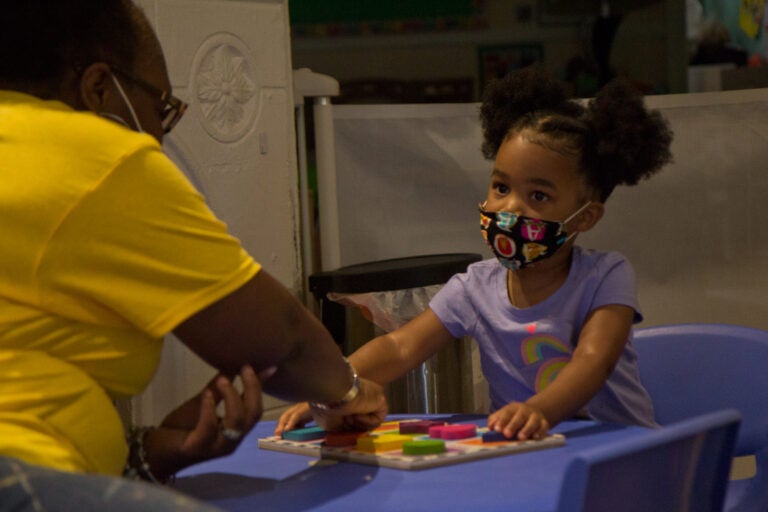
column 519, row 419
column 365, row 412
column 194, row 432
column 297, row 416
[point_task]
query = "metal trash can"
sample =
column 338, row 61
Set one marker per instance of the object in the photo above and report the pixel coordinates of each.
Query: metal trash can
column 359, row 302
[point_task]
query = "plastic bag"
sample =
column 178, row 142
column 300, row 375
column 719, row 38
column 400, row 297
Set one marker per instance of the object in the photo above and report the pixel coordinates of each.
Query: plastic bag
column 389, row 309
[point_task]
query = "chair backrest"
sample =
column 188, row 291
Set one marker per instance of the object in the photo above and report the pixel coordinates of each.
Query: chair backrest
column 682, row 467
column 690, row 369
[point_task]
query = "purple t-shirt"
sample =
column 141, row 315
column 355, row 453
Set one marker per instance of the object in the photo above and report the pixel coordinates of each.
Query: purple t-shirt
column 523, row 349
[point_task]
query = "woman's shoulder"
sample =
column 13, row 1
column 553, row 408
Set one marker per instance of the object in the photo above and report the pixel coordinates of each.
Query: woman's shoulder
column 109, row 138
column 84, row 135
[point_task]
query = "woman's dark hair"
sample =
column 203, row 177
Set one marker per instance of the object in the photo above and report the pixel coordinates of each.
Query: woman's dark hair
column 42, row 41
column 616, row 139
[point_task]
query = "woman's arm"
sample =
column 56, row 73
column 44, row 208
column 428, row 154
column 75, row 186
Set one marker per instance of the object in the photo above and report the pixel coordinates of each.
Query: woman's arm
column 600, row 345
column 385, row 358
column 263, row 325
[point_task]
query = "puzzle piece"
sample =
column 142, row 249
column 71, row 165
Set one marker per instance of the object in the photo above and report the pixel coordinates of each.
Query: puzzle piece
column 304, row 434
column 493, row 437
column 388, row 425
column 424, row 447
column 343, row 438
column 419, row 426
column 453, row 431
column 386, row 446
column 382, row 443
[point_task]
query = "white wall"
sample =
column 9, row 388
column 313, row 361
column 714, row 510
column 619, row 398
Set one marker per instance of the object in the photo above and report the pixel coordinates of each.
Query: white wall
column 231, row 61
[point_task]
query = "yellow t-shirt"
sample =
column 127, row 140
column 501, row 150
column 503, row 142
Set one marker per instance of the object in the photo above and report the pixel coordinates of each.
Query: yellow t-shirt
column 106, row 248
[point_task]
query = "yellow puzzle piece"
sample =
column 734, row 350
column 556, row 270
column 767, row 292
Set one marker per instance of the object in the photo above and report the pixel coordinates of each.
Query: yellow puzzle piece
column 382, row 443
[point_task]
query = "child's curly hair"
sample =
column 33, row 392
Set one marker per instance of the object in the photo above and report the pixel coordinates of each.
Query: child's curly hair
column 616, row 139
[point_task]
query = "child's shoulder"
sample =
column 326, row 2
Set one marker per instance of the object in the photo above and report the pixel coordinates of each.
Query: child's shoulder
column 583, row 259
column 597, row 254
column 480, row 272
column 593, row 258
column 485, row 268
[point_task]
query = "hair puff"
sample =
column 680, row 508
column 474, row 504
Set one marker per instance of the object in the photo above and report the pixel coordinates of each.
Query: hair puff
column 617, row 140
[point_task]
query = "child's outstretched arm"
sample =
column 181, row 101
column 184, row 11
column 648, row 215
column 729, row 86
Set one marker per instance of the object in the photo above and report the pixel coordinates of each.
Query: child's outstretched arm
column 385, row 358
column 601, row 342
column 392, row 355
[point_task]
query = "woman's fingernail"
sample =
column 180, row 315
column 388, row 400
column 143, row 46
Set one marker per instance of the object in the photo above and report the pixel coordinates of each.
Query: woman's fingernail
column 267, row 373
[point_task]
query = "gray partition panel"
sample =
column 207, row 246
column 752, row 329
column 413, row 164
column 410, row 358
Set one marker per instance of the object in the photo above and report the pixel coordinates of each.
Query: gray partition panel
column 410, row 177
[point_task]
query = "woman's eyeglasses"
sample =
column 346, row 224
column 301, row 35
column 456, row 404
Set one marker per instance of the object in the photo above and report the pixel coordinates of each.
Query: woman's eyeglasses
column 173, row 107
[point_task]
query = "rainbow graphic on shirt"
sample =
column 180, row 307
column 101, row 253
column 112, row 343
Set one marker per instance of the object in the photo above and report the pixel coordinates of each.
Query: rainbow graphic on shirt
column 549, row 371
column 532, row 350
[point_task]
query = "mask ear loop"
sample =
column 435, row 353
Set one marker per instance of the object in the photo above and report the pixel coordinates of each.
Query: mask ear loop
column 571, row 216
column 127, row 102
column 115, row 118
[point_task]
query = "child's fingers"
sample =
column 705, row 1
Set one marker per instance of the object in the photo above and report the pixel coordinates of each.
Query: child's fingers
column 294, row 417
column 507, row 420
column 287, row 422
column 499, row 419
column 515, row 423
column 493, row 420
column 535, row 428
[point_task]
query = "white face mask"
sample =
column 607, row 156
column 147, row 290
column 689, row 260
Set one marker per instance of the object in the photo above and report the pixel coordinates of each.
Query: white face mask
column 119, row 119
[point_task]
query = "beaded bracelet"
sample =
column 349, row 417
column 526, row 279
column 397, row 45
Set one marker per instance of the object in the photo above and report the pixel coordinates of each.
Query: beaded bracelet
column 136, row 466
column 348, row 397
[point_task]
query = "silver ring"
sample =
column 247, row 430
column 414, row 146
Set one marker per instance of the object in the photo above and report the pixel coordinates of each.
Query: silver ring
column 232, row 434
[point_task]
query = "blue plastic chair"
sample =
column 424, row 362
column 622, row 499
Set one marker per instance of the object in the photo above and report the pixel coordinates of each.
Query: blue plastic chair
column 682, row 467
column 690, row 369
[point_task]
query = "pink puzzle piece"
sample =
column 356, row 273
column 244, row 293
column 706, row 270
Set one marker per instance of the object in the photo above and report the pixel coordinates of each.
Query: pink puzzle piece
column 453, row 431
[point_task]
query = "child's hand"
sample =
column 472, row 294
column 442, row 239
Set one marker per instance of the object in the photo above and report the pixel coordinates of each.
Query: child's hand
column 519, row 419
column 295, row 417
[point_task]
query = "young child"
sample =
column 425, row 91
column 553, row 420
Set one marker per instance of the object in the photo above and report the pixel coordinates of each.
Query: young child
column 552, row 320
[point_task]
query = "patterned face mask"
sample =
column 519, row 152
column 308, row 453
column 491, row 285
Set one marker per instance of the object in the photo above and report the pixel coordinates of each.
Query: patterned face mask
column 518, row 241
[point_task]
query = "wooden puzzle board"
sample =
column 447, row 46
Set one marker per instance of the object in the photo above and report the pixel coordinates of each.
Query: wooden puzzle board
column 457, row 451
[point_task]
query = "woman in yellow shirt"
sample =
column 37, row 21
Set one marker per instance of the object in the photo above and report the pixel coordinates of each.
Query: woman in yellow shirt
column 112, row 248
